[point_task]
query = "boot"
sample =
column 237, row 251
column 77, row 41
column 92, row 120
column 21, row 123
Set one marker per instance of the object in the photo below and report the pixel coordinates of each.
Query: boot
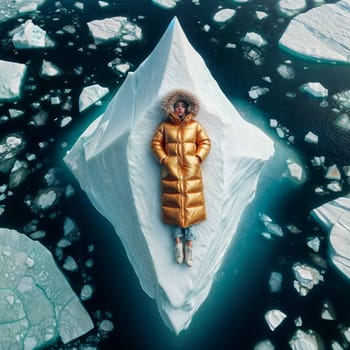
column 188, row 255
column 179, row 253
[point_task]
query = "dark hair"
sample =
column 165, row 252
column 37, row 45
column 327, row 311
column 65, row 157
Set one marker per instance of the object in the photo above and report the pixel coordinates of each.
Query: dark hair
column 184, row 102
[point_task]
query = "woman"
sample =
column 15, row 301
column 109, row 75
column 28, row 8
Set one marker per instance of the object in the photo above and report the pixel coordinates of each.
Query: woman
column 181, row 144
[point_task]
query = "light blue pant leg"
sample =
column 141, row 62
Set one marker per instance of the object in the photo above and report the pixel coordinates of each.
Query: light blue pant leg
column 185, row 233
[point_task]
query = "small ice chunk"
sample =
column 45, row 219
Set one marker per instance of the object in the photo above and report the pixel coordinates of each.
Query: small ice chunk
column 310, row 137
column 18, row 173
column 12, row 75
column 304, row 341
column 79, row 5
column 15, row 113
column 70, row 264
column 328, row 312
column 90, row 95
column 264, row 345
column 260, row 15
column 296, row 171
column 298, row 321
column 318, row 160
column 275, row 282
column 343, row 121
column 166, row 4
column 280, row 133
column 206, row 27
column 270, row 226
column 333, row 173
column 40, row 118
column 315, row 89
column 65, row 121
column 71, row 230
column 106, row 326
column 255, row 56
column 224, row 15
column 45, row 198
column 286, row 71
column 346, row 169
column 114, row 28
column 38, row 234
column 291, row 8
column 314, row 243
column 306, row 278
column 103, row 4
column 274, row 318
column 123, row 67
column 49, row 69
column 273, row 123
column 256, row 91
column 30, row 36
column 343, row 98
column 86, row 292
column 334, row 186
column 293, row 229
column 64, row 243
column 254, row 39
column 69, row 191
column 336, row 346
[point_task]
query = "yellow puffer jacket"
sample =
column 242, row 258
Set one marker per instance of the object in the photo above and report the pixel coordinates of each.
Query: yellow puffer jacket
column 180, row 146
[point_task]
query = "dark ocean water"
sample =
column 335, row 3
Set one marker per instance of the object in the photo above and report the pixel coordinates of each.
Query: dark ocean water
column 232, row 317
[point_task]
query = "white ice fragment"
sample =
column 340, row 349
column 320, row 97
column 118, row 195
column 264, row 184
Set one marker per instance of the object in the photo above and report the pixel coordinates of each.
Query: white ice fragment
column 343, row 121
column 291, row 7
column 264, row 345
column 267, row 79
column 333, row 173
column 18, row 174
column 260, row 15
column 65, row 121
column 342, row 99
column 46, row 199
column 70, row 264
column 69, row 191
column 206, row 27
column 320, row 34
column 310, row 137
column 334, row 186
column 314, row 243
column 304, row 341
column 49, row 69
column 328, row 312
column 79, row 5
column 38, row 234
column 103, row 4
column 275, row 282
column 12, row 75
column 318, row 160
column 298, row 321
column 15, row 113
column 346, row 169
column 346, row 333
column 40, row 118
column 123, row 67
column 71, row 230
column 254, row 39
column 90, row 95
column 270, row 226
column 286, row 71
column 12, row 8
column 106, row 326
column 256, row 91
column 274, row 318
column 114, row 28
column 173, row 64
column 40, row 305
column 167, row 4
column 86, row 292
column 296, row 171
column 306, row 278
column 30, row 7
column 230, row 46
column 224, row 15
column 280, row 133
column 315, row 89
column 273, row 123
column 336, row 346
column 64, row 243
column 30, row 36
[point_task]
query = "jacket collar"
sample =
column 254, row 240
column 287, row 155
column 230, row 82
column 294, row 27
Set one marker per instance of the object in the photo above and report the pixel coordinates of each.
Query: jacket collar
column 177, row 120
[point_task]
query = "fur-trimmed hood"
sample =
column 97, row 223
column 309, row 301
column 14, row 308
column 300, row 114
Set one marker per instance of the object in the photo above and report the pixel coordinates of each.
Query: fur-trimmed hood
column 173, row 96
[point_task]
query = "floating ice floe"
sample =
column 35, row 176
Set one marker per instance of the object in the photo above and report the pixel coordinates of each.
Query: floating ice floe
column 11, row 9
column 264, row 345
column 254, row 39
column 274, row 318
column 167, row 4
column 333, row 173
column 291, row 7
column 256, row 91
column 117, row 146
column 224, row 15
column 286, row 71
column 343, row 121
column 103, row 4
column 315, row 90
column 328, row 312
column 10, row 146
column 342, row 99
column 270, row 226
column 260, row 15
column 296, row 171
column 12, row 75
column 306, row 278
column 30, row 36
column 90, row 95
column 334, row 216
column 275, row 282
column 321, row 33
column 49, row 69
column 305, row 341
column 37, row 304
column 310, row 137
column 113, row 28
column 314, row 243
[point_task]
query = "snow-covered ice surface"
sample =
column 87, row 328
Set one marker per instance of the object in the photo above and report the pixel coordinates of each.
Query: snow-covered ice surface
column 10, row 8
column 334, row 216
column 37, row 304
column 12, row 75
column 114, row 165
column 320, row 34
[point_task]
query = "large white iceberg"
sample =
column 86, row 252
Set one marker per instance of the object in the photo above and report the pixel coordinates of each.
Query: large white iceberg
column 37, row 305
column 114, row 165
column 321, row 33
column 334, row 216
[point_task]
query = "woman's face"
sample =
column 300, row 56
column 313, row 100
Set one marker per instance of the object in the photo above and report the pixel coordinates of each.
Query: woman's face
column 180, row 109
